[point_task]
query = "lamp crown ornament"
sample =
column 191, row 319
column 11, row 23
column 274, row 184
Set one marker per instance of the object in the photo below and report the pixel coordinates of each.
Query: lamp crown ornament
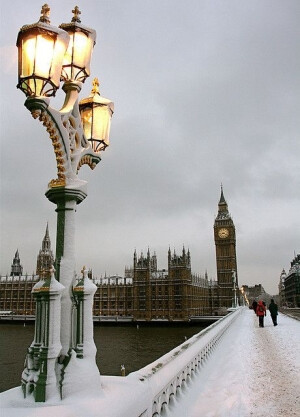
column 45, row 13
column 96, row 85
column 76, row 13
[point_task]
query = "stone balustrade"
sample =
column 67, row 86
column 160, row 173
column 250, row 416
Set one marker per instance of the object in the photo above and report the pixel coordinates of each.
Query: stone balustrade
column 146, row 392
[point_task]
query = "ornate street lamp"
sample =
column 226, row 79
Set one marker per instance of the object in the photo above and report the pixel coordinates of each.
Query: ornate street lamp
column 76, row 63
column 96, row 112
column 41, row 51
column 45, row 58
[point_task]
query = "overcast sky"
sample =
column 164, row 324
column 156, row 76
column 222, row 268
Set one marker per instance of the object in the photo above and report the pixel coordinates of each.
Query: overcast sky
column 206, row 92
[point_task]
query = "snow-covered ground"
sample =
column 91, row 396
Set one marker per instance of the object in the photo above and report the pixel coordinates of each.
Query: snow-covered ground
column 253, row 371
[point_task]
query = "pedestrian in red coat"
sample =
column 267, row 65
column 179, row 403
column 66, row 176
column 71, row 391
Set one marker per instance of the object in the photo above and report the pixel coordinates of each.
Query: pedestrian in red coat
column 261, row 312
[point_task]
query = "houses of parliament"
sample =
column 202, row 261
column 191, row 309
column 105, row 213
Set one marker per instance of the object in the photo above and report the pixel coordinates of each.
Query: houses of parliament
column 144, row 293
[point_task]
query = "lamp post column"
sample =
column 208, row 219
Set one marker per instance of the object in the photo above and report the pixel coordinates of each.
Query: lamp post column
column 79, row 132
column 66, row 200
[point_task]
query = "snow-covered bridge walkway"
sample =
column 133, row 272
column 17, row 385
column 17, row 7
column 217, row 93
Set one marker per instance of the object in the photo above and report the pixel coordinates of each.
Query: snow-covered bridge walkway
column 253, row 372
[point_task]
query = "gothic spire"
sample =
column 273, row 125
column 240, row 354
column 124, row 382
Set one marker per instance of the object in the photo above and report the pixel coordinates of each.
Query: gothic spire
column 46, row 244
column 223, row 207
column 45, row 257
column 47, row 232
column 16, row 267
column 222, row 198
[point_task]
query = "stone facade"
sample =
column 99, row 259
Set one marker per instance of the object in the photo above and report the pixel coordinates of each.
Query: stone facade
column 15, row 290
column 292, row 284
column 256, row 292
column 149, row 294
column 15, row 294
column 145, row 293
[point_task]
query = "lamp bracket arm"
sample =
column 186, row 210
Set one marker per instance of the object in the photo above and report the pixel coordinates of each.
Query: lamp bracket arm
column 72, row 90
column 51, row 119
column 78, row 147
column 88, row 157
column 71, row 148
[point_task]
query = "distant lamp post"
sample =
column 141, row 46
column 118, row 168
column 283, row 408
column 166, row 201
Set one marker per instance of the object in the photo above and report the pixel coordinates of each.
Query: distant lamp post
column 234, row 298
column 96, row 112
column 46, row 56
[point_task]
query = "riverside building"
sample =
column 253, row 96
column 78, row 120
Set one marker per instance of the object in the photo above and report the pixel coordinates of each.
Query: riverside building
column 145, row 292
column 290, row 284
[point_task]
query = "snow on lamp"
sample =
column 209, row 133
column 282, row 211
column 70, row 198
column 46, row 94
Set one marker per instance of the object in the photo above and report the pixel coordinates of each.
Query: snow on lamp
column 41, row 48
column 96, row 112
column 76, row 64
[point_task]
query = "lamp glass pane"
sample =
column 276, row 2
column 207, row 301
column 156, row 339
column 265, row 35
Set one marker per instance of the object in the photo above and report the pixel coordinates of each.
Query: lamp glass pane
column 44, row 55
column 67, row 61
column 81, row 50
column 89, row 50
column 87, row 120
column 101, row 125
column 58, row 55
column 28, row 54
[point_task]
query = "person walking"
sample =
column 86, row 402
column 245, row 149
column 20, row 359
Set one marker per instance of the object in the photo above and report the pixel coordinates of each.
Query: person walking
column 273, row 308
column 261, row 313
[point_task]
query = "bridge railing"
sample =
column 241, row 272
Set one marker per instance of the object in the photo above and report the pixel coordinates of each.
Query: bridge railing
column 153, row 386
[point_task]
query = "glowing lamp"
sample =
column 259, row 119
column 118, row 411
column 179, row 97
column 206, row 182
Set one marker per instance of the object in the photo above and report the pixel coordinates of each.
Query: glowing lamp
column 41, row 49
column 76, row 64
column 96, row 112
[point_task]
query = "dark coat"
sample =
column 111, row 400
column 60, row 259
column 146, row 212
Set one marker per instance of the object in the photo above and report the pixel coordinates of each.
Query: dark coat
column 273, row 308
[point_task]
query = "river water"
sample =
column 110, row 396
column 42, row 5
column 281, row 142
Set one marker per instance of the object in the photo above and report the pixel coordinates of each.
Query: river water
column 130, row 345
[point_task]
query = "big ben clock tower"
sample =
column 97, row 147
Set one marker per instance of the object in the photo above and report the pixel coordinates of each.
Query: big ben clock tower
column 225, row 241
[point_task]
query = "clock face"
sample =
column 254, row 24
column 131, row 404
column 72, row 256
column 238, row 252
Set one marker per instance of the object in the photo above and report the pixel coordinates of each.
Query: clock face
column 223, row 233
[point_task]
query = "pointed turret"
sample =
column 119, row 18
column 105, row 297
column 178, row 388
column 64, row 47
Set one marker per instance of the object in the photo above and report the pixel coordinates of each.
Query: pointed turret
column 16, row 267
column 46, row 244
column 222, row 203
column 45, row 257
column 223, row 212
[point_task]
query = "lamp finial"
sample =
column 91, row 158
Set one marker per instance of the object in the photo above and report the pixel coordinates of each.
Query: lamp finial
column 76, row 13
column 45, row 13
column 96, row 84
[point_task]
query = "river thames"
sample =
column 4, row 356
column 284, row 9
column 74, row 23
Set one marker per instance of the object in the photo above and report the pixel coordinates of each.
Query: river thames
column 129, row 345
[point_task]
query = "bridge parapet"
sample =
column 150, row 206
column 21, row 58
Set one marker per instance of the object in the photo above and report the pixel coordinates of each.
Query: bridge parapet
column 147, row 391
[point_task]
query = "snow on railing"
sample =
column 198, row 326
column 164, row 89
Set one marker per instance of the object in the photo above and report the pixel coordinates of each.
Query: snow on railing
column 152, row 386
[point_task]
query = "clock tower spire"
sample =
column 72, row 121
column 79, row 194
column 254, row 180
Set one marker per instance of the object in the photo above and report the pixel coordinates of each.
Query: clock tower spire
column 225, row 241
